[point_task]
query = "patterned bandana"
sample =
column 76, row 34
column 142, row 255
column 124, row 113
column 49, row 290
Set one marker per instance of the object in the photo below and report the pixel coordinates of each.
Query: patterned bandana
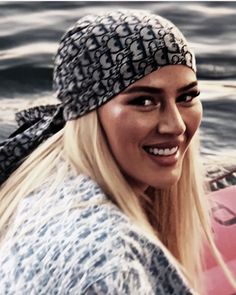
column 97, row 58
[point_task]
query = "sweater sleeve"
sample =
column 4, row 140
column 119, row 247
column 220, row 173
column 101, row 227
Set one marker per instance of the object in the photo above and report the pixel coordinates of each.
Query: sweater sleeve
column 126, row 279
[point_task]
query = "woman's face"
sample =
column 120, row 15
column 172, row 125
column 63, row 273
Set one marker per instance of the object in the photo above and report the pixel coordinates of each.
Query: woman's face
column 150, row 124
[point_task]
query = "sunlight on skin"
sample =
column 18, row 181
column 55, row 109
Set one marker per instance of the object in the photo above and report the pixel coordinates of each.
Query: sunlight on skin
column 156, row 115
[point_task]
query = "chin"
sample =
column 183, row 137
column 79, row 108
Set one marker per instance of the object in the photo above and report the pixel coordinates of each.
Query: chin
column 165, row 182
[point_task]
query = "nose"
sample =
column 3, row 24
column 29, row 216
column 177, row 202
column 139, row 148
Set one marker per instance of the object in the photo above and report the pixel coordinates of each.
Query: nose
column 171, row 121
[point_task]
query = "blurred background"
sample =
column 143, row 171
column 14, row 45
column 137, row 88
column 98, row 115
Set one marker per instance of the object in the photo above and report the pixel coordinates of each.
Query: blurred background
column 30, row 32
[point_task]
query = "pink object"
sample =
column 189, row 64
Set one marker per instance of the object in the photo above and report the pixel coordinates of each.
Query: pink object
column 224, row 225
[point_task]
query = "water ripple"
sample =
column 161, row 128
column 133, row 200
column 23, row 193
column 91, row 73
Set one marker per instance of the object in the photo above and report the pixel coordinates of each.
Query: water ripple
column 30, row 31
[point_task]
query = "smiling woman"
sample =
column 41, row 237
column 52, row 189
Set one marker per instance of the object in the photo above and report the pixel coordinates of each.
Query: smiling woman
column 102, row 193
column 159, row 120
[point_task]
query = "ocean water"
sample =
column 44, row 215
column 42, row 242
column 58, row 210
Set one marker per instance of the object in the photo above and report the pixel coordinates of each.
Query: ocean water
column 29, row 35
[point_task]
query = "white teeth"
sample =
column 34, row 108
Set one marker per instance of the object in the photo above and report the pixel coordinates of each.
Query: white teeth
column 173, row 150
column 162, row 152
column 155, row 151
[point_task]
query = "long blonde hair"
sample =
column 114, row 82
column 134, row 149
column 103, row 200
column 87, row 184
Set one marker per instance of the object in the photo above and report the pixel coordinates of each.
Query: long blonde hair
column 177, row 218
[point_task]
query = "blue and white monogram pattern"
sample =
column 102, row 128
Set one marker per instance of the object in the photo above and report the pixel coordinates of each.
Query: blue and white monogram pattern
column 97, row 58
column 103, row 54
column 88, row 246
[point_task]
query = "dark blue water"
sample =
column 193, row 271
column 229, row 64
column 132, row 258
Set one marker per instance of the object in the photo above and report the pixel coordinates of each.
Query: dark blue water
column 30, row 31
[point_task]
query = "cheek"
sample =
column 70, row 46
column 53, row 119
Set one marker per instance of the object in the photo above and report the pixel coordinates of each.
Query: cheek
column 124, row 129
column 193, row 119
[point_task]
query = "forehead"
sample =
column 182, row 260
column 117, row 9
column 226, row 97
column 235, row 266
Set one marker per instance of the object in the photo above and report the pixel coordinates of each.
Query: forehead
column 167, row 77
column 101, row 56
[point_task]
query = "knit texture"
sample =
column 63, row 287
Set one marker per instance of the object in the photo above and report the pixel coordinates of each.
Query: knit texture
column 91, row 249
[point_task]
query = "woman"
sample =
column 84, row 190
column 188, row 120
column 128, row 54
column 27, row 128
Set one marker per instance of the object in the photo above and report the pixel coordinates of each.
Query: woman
column 101, row 194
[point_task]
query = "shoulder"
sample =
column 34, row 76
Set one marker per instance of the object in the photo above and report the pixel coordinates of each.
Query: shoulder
column 111, row 256
column 88, row 247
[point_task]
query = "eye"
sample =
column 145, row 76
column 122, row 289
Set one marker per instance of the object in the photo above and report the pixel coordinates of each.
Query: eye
column 188, row 97
column 144, row 101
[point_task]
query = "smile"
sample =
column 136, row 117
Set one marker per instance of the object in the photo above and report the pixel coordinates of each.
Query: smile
column 161, row 151
column 164, row 154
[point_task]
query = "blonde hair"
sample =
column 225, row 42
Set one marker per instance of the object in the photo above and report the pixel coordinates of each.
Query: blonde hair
column 176, row 218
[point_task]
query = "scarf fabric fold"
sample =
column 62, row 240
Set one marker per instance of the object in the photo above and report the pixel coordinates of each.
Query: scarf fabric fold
column 36, row 125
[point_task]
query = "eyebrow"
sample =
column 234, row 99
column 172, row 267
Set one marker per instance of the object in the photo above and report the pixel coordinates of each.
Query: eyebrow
column 154, row 90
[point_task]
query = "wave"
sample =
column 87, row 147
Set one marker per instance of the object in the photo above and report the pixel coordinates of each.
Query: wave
column 30, row 31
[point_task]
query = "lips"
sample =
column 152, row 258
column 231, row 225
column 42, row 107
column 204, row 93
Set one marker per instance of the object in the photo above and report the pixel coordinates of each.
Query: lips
column 164, row 153
column 161, row 152
column 163, row 148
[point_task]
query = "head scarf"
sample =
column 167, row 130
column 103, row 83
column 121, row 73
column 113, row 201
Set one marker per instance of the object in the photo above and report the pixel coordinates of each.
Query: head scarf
column 97, row 58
